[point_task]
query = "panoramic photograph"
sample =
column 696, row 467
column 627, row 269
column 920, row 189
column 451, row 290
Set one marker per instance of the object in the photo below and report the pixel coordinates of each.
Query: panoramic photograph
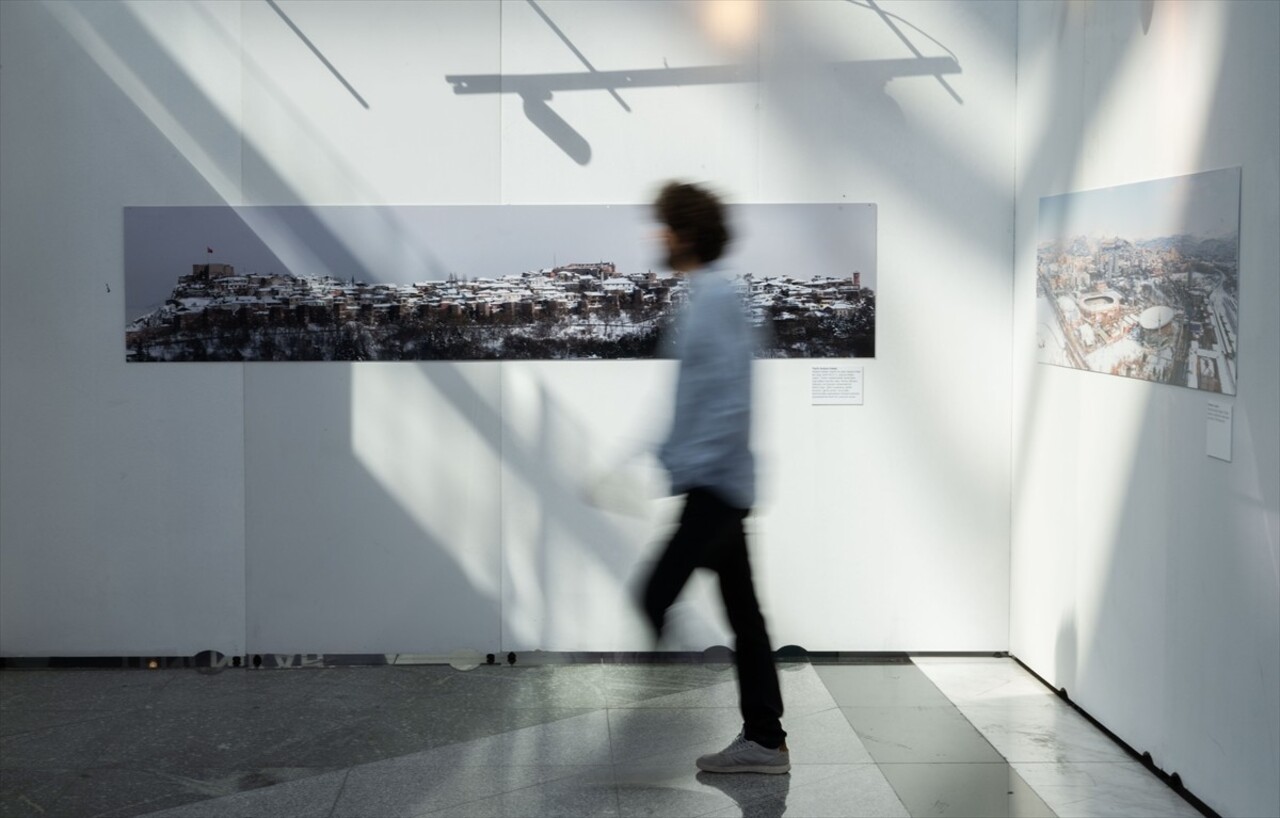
column 478, row 282
column 1142, row 280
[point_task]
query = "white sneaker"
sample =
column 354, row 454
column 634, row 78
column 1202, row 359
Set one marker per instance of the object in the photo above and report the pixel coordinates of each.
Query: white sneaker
column 745, row 756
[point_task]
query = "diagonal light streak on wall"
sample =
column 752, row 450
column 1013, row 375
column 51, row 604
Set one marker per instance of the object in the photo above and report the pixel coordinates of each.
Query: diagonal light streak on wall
column 224, row 180
column 1097, row 516
column 315, row 142
column 429, row 454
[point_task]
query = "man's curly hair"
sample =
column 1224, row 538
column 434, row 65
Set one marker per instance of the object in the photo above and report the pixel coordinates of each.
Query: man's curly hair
column 697, row 218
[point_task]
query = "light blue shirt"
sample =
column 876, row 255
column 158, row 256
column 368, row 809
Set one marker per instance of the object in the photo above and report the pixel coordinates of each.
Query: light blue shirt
column 709, row 443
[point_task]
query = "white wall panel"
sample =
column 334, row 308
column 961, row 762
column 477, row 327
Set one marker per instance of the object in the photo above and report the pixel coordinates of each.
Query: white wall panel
column 346, row 102
column 908, row 494
column 122, row 510
column 597, row 146
column 838, row 529
column 372, row 507
column 1145, row 575
column 583, row 507
column 847, row 116
column 822, row 126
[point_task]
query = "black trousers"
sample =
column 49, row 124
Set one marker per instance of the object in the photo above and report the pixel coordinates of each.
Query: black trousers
column 711, row 536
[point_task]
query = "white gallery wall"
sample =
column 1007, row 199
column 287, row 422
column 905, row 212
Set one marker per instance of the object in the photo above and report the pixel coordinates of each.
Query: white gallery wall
column 122, row 501
column 1146, row 575
column 340, row 508
column 977, row 501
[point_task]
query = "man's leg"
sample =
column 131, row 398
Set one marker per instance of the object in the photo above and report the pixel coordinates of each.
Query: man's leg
column 702, row 529
column 759, row 693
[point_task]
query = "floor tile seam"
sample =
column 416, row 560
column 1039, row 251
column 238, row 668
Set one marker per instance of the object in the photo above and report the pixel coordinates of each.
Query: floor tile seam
column 814, row 712
column 608, row 728
column 901, row 796
column 888, row 783
column 1131, row 763
column 98, row 713
column 312, row 772
column 544, row 782
column 1163, row 790
column 981, row 733
column 236, row 794
column 869, row 741
column 641, row 763
column 840, row 767
column 61, row 791
column 334, row 724
column 53, row 708
column 1029, row 702
column 942, row 705
column 167, row 682
column 730, row 706
column 1062, row 803
column 1008, row 767
column 143, row 808
column 940, row 762
column 99, row 750
column 45, row 770
column 613, row 774
column 139, row 807
column 1046, row 703
column 1128, row 764
column 987, row 736
column 670, row 707
column 1076, row 721
column 614, row 701
column 572, row 769
column 197, row 795
column 342, row 788
column 479, row 705
column 47, row 728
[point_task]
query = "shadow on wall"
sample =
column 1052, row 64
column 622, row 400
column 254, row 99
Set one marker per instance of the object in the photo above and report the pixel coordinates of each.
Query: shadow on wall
column 566, row 566
column 862, row 79
column 348, row 542
column 1045, row 170
column 160, row 88
column 1133, row 645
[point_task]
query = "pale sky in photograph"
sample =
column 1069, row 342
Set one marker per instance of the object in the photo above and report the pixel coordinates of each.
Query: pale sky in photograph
column 408, row 243
column 1206, row 205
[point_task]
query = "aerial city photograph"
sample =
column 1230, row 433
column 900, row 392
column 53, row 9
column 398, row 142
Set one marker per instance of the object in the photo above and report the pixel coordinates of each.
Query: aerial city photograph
column 1142, row 280
column 311, row 284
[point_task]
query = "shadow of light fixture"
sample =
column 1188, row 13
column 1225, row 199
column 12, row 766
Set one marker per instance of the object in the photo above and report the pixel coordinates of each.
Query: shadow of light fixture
column 537, row 90
column 581, row 57
column 888, row 21
column 538, row 112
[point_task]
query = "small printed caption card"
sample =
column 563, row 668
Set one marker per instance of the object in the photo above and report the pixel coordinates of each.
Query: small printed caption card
column 1218, row 438
column 836, row 385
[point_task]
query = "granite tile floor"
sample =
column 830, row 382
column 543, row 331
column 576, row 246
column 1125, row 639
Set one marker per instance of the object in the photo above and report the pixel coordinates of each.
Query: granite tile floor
column 964, row 737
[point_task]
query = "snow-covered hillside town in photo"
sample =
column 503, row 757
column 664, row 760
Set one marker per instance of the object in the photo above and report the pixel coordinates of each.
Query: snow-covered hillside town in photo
column 461, row 283
column 1142, row 280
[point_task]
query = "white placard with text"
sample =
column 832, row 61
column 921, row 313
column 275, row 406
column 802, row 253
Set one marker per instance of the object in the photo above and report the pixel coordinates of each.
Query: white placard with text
column 1218, row 436
column 836, row 384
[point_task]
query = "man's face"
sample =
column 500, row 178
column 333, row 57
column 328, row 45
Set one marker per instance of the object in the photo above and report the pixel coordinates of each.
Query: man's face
column 678, row 256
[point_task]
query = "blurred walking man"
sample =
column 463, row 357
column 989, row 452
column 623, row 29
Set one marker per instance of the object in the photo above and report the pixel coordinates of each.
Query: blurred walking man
column 708, row 457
